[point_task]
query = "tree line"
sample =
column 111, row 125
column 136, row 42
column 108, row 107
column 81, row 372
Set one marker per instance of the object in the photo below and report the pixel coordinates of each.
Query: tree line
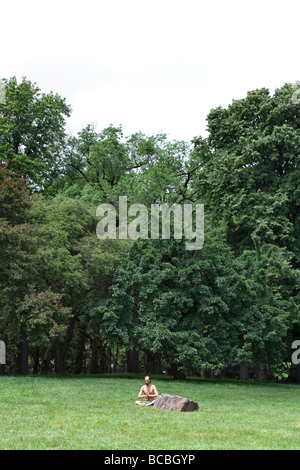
column 71, row 303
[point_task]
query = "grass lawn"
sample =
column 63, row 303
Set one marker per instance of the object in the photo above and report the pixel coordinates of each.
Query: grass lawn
column 99, row 413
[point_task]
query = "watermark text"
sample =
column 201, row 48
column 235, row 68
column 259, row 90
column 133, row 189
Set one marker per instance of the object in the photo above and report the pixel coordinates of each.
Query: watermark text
column 134, row 222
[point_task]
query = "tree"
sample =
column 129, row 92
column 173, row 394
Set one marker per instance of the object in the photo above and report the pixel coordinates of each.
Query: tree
column 249, row 169
column 15, row 242
column 72, row 261
column 44, row 319
column 197, row 310
column 32, row 133
column 147, row 169
column 248, row 179
column 14, row 196
column 52, row 272
column 264, row 335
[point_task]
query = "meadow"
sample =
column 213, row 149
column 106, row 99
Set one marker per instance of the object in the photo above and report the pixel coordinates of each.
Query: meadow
column 68, row 413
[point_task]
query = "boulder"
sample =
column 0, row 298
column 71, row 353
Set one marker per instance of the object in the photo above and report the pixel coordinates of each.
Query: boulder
column 175, row 403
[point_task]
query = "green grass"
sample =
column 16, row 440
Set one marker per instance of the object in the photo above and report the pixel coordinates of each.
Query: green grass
column 99, row 413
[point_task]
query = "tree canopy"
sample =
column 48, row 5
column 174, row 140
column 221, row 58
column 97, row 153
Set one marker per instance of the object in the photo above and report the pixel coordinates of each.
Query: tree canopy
column 70, row 302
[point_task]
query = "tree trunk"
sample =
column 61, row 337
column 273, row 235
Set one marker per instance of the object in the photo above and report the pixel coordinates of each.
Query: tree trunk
column 260, row 373
column 60, row 359
column 116, row 359
column 133, row 360
column 206, row 373
column 24, row 369
column 46, row 360
column 36, row 359
column 61, row 349
column 81, row 347
column 153, row 363
column 109, row 360
column 244, row 372
column 102, row 366
column 297, row 375
column 14, row 368
column 177, row 374
column 93, row 366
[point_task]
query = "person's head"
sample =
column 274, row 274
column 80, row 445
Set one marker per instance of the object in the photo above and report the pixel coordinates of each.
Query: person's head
column 147, row 380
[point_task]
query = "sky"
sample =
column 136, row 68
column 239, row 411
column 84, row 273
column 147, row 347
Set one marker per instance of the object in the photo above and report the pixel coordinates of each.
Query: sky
column 157, row 66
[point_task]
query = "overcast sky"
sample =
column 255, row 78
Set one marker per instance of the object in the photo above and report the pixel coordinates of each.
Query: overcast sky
column 150, row 66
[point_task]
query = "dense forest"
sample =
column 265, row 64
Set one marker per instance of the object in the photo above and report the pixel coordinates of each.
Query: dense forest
column 71, row 303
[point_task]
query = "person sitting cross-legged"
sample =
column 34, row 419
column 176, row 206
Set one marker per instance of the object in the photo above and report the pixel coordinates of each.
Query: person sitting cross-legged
column 148, row 392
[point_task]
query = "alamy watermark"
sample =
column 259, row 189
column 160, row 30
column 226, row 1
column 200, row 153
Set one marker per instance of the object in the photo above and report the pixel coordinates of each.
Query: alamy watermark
column 296, row 354
column 2, row 93
column 187, row 222
column 2, row 353
column 296, row 93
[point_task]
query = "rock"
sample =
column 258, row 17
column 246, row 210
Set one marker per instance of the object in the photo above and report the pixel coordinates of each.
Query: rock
column 175, row 403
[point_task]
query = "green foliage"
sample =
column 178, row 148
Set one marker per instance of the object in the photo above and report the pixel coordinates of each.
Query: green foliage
column 200, row 310
column 66, row 295
column 32, row 132
column 70, row 258
column 44, row 317
column 53, row 271
column 14, row 197
column 103, row 166
column 249, row 174
column 15, row 243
